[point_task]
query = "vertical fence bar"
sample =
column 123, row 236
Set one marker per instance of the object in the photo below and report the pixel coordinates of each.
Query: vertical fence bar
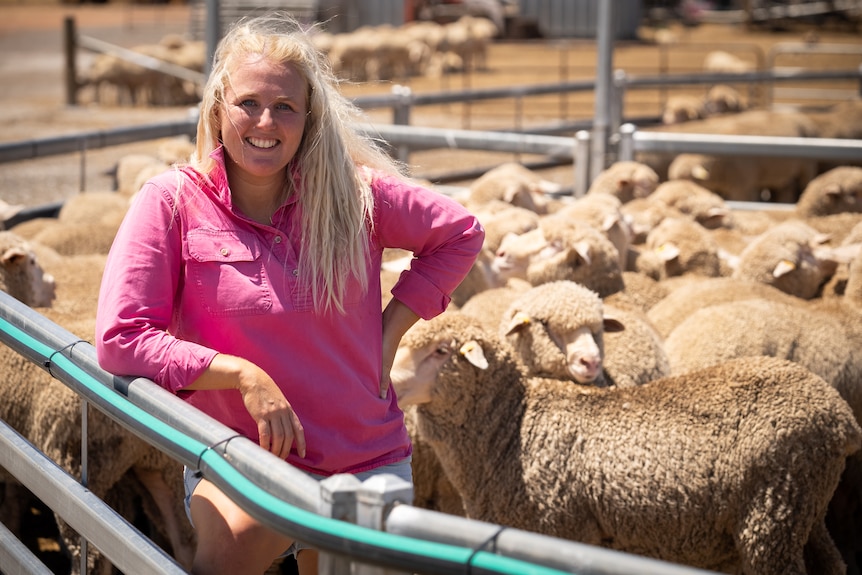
column 401, row 116
column 70, row 51
column 582, row 162
column 626, row 150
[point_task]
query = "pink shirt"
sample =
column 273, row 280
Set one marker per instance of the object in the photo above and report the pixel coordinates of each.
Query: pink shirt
column 189, row 276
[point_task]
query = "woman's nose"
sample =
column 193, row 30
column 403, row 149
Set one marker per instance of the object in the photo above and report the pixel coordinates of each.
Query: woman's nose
column 266, row 118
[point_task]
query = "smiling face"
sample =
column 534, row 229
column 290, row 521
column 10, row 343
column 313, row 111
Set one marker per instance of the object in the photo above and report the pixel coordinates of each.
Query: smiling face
column 263, row 118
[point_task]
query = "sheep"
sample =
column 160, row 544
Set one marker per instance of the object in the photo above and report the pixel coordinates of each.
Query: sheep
column 681, row 302
column 625, row 179
column 723, row 99
column 644, row 214
column 835, row 191
column 745, row 178
column 559, row 329
column 501, row 218
column 431, row 487
column 702, row 205
column 639, row 292
column 513, row 183
column 683, row 108
column 561, row 249
column 131, row 167
column 787, row 256
column 676, row 247
column 489, row 306
column 725, row 62
column 673, row 469
column 21, row 275
column 48, row 413
column 603, row 212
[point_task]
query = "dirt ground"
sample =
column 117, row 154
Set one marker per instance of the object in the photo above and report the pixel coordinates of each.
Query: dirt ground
column 32, row 99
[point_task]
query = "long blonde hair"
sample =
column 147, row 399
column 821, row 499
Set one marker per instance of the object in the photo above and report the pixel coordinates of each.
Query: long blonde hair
column 335, row 199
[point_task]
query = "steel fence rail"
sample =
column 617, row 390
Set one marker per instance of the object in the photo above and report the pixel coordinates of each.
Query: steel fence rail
column 276, row 493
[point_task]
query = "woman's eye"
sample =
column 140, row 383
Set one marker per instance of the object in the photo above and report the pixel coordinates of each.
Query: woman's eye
column 248, row 103
column 284, row 107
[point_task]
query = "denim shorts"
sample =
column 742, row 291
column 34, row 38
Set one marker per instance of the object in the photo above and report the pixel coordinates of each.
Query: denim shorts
column 402, row 469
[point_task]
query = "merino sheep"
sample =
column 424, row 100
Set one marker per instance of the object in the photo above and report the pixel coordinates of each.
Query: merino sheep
column 489, row 306
column 723, row 99
column 787, row 256
column 512, row 183
column 746, row 178
column 725, row 62
column 680, row 303
column 557, row 329
column 501, row 218
column 836, row 191
column 602, row 211
column 683, row 108
column 676, row 247
column 695, row 201
column 673, row 470
column 564, row 331
column 627, row 180
column 21, row 275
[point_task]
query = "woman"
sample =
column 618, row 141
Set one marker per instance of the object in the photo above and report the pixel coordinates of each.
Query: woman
column 248, row 281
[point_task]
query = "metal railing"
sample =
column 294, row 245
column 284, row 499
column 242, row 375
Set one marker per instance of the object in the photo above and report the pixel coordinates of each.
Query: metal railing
column 364, row 528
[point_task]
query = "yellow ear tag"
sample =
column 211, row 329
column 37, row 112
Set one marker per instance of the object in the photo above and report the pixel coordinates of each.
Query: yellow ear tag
column 472, row 351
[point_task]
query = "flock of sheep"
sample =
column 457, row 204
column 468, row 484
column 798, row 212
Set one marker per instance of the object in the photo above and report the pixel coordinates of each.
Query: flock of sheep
column 642, row 368
column 369, row 53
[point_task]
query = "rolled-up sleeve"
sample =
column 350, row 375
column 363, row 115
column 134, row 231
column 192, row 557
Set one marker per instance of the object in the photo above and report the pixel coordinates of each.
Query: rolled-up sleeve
column 444, row 237
column 138, row 292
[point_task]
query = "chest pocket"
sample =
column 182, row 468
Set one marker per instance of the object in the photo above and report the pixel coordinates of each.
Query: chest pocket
column 227, row 272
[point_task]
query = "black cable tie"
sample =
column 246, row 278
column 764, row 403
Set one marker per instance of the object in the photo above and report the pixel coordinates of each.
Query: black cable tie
column 198, row 473
column 492, row 540
column 47, row 363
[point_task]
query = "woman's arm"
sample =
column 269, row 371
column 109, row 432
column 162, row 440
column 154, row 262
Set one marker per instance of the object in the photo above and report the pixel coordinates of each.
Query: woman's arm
column 277, row 423
column 397, row 319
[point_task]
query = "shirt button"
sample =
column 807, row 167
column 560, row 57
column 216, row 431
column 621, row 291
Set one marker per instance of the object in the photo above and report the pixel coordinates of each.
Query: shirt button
column 295, row 272
column 277, row 239
column 224, row 251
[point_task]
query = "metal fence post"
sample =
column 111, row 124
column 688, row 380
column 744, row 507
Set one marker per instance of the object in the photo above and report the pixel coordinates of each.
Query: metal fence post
column 401, row 116
column 376, row 497
column 70, row 47
column 582, row 162
column 627, row 142
column 338, row 501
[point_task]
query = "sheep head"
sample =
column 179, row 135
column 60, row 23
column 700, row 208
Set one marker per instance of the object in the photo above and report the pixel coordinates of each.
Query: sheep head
column 21, row 276
column 557, row 330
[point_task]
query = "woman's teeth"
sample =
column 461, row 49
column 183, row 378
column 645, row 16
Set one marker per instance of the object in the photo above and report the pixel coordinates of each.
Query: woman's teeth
column 258, row 143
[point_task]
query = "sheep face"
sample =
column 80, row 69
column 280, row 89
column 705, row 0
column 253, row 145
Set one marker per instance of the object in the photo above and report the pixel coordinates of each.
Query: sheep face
column 515, row 253
column 446, row 364
column 23, row 278
column 557, row 329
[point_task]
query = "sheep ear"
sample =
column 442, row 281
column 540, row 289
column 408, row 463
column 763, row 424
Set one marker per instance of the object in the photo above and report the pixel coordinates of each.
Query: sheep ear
column 583, row 250
column 518, row 322
column 12, row 254
column 784, row 267
column 612, row 325
column 472, row 351
column 831, row 190
column 667, row 252
column 699, row 173
column 820, row 239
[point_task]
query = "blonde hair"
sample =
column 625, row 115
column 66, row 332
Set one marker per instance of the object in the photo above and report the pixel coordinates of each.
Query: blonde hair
column 334, row 197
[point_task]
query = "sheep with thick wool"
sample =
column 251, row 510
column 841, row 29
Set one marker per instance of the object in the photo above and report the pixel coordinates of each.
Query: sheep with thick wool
column 564, row 331
column 21, row 275
column 603, row 212
column 835, row 191
column 561, row 249
column 684, row 300
column 676, row 247
column 626, row 180
column 512, row 183
column 731, row 468
column 788, row 256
